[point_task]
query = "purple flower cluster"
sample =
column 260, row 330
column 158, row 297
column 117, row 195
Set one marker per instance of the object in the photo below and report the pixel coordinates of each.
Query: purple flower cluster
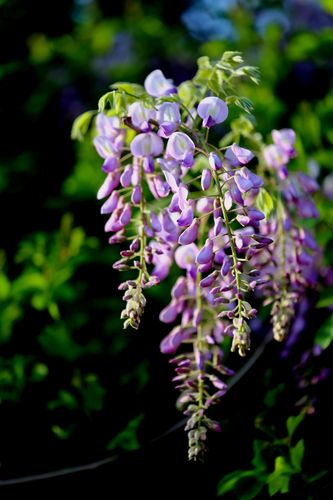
column 172, row 197
column 290, row 265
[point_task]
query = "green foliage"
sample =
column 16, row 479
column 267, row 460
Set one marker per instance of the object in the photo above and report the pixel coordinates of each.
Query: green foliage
column 82, row 124
column 292, row 424
column 222, row 78
column 324, row 335
column 86, row 177
column 127, row 439
column 279, row 480
column 287, row 460
column 326, row 298
column 265, row 202
column 49, row 263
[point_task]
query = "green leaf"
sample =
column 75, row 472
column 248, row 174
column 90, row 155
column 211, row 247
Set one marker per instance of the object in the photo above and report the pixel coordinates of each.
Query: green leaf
column 317, row 476
column 106, row 99
column 29, row 282
column 241, row 126
column 232, row 56
column 120, row 106
column 272, row 395
column 4, row 287
column 132, row 89
column 60, row 432
column 252, row 490
column 280, row 478
column 241, row 102
column 187, row 91
column 39, row 372
column 258, row 461
column 328, row 6
column 278, row 483
column 250, row 72
column 297, row 454
column 203, row 62
column 265, row 202
column 229, row 482
column 205, row 69
column 56, row 340
column 65, row 399
column 93, row 393
column 324, row 335
column 215, row 83
column 326, row 298
column 81, row 125
column 293, row 423
column 127, row 439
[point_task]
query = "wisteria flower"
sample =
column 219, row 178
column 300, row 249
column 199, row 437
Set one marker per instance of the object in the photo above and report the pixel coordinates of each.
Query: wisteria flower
column 181, row 147
column 140, row 116
column 212, row 110
column 157, row 85
column 168, row 117
column 145, row 145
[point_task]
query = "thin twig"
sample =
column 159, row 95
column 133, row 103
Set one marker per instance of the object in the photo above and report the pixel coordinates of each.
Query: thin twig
column 58, row 473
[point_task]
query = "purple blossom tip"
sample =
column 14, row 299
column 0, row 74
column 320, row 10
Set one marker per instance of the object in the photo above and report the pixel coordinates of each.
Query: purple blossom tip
column 215, row 161
column 180, row 147
column 186, row 217
column 171, row 342
column 212, row 110
column 110, row 183
column 104, row 147
column 209, row 280
column 206, row 179
column 169, row 313
column 190, row 234
column 285, row 139
column 205, row 255
column 243, row 155
column 136, row 195
column 157, row 85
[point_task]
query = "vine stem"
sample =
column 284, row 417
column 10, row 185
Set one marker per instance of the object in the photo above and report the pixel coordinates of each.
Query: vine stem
column 282, row 244
column 200, row 341
column 142, row 235
column 229, row 232
column 232, row 241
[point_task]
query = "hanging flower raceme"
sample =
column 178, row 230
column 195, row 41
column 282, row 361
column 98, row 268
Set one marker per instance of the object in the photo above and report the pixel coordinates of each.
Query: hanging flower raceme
column 173, row 198
column 291, row 266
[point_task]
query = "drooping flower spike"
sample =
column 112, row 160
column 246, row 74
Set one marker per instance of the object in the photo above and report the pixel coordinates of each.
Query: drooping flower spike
column 174, row 199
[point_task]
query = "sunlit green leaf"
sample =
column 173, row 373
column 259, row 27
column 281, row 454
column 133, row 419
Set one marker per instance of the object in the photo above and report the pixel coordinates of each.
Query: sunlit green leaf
column 230, row 481
column 265, row 202
column 279, row 480
column 293, row 423
column 4, row 286
column 128, row 438
column 39, row 372
column 324, row 335
column 106, row 100
column 296, row 455
column 187, row 92
column 81, row 125
column 132, row 89
column 326, row 298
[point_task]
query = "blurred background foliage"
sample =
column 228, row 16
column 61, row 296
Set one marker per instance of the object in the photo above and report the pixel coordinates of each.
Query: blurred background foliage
column 73, row 385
